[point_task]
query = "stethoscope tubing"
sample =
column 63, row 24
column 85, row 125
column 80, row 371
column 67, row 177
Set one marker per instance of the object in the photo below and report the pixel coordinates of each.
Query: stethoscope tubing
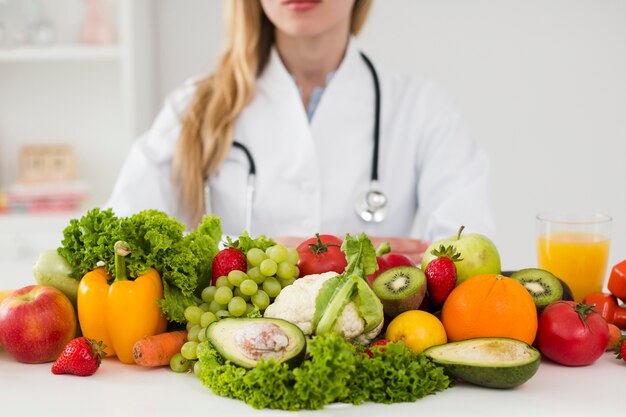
column 367, row 211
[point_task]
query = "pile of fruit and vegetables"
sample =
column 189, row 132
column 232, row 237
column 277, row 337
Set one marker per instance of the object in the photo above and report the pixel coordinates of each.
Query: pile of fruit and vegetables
column 332, row 320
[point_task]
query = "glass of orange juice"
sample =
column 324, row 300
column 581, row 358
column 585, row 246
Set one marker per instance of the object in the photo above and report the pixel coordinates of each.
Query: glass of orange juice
column 575, row 248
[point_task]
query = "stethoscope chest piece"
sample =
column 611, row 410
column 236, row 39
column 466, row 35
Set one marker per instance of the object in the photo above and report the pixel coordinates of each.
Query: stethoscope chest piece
column 371, row 206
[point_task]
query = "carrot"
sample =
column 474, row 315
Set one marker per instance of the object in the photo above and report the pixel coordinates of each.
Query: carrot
column 158, row 350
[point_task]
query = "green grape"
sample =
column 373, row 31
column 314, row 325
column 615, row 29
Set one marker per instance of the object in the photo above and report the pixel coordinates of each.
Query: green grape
column 208, row 318
column 214, row 307
column 208, row 293
column 296, row 271
column 249, row 308
column 192, row 334
column 238, row 293
column 237, row 306
column 189, row 325
column 293, row 256
column 222, row 314
column 223, row 282
column 223, row 295
column 268, row 267
column 204, row 307
column 285, row 270
column 193, row 313
column 197, row 369
column 272, row 287
column 285, row 282
column 248, row 287
column 202, row 334
column 188, row 350
column 255, row 256
column 236, row 277
column 278, row 253
column 255, row 275
column 178, row 363
column 261, row 300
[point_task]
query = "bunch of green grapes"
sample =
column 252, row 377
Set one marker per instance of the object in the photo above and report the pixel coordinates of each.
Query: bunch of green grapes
column 238, row 295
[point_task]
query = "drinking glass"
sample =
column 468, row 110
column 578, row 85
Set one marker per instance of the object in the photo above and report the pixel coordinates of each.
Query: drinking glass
column 575, row 248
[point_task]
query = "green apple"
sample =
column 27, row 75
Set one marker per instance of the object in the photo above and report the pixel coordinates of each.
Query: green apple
column 479, row 255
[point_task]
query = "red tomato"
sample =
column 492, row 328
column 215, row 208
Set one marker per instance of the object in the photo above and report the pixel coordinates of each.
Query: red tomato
column 320, row 254
column 572, row 334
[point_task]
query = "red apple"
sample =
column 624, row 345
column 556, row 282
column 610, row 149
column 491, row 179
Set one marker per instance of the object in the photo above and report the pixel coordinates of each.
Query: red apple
column 36, row 322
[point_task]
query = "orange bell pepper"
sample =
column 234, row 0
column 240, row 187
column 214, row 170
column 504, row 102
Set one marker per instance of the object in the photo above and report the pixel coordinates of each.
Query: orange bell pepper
column 122, row 312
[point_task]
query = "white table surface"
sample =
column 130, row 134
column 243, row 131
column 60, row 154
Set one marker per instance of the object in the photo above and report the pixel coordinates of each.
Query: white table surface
column 129, row 390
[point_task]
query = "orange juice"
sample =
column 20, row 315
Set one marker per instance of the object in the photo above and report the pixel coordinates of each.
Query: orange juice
column 578, row 258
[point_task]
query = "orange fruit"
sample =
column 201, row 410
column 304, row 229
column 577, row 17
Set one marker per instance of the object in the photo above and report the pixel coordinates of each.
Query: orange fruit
column 490, row 305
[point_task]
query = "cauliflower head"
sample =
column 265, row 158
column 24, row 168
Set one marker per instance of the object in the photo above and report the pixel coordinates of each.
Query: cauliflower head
column 296, row 304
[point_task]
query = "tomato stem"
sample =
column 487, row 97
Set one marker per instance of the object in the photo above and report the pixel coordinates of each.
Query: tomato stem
column 320, row 247
column 585, row 310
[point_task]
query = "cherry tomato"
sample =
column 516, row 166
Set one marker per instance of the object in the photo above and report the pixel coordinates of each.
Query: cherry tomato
column 572, row 334
column 320, row 254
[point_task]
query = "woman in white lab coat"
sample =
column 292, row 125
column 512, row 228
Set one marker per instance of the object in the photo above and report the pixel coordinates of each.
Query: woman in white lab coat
column 294, row 90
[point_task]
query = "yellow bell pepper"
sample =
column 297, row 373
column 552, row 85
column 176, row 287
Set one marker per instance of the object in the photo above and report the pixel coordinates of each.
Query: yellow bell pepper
column 123, row 312
column 92, row 296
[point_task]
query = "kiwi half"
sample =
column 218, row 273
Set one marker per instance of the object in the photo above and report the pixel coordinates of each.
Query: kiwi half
column 543, row 286
column 400, row 289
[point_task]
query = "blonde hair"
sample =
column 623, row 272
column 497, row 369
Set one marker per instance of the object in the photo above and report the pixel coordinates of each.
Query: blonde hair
column 206, row 133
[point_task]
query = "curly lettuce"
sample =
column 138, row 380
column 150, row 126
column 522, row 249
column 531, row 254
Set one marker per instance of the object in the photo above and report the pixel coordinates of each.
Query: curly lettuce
column 337, row 371
column 157, row 240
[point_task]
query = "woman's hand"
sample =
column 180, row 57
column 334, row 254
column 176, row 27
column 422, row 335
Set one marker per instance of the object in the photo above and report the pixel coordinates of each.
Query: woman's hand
column 413, row 248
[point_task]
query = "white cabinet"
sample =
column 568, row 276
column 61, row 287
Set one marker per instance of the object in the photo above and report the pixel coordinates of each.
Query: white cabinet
column 97, row 98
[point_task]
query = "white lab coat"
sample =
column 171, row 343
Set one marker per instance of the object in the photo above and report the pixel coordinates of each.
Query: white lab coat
column 309, row 175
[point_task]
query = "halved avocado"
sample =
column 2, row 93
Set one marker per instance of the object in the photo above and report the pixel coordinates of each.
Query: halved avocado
column 247, row 341
column 490, row 362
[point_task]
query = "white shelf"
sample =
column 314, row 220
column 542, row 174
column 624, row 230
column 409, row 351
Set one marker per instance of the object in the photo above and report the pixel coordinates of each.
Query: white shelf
column 61, row 53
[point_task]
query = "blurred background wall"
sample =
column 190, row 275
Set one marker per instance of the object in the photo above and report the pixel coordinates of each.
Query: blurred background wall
column 542, row 85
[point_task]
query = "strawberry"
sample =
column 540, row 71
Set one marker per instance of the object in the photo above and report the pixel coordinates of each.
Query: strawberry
column 381, row 342
column 621, row 349
column 226, row 260
column 81, row 356
column 441, row 274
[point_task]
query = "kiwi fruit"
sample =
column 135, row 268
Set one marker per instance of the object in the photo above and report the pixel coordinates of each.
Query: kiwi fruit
column 542, row 285
column 400, row 289
column 568, row 295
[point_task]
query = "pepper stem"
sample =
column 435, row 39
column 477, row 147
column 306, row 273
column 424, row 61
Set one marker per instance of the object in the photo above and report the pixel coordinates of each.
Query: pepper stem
column 383, row 249
column 121, row 250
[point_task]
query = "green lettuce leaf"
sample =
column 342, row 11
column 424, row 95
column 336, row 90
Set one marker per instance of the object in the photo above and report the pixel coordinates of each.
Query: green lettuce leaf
column 360, row 254
column 244, row 242
column 157, row 241
column 89, row 240
column 333, row 297
column 368, row 305
column 336, row 372
column 338, row 291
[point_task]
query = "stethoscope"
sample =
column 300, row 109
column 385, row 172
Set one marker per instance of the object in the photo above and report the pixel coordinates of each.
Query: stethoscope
column 370, row 206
